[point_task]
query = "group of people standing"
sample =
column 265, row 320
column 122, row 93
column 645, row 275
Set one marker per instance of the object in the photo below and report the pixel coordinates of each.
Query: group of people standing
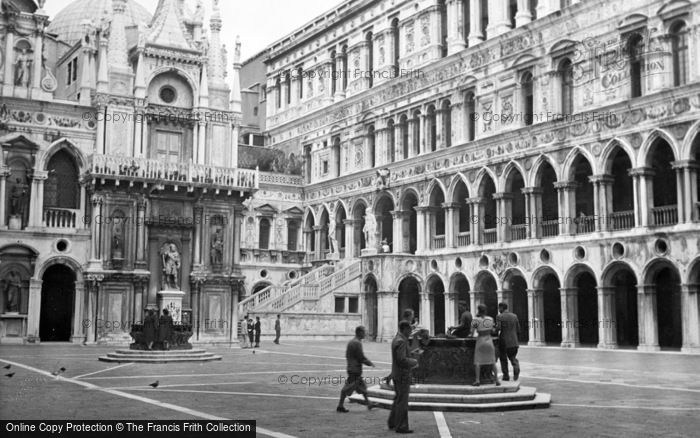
column 406, row 347
column 157, row 329
column 250, row 331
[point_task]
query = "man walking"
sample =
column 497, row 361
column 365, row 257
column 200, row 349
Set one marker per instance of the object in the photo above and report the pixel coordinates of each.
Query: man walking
column 508, row 327
column 257, row 332
column 278, row 330
column 355, row 357
column 251, row 331
column 401, row 365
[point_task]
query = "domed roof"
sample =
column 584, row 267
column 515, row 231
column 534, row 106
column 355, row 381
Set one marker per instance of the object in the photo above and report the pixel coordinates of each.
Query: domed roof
column 68, row 23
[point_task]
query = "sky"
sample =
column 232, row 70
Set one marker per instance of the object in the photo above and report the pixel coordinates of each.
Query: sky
column 258, row 22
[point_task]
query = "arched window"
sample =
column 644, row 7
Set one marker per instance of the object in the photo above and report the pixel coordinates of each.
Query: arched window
column 567, row 90
column 527, row 96
column 635, row 50
column 264, row 233
column 397, row 45
column 679, row 38
column 471, row 116
column 62, row 189
column 292, row 235
column 432, row 129
column 288, row 82
column 370, row 58
column 416, row 132
column 336, row 155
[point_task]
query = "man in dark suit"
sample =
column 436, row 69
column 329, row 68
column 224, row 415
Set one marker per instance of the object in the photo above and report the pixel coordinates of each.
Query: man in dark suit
column 278, row 330
column 464, row 329
column 251, row 331
column 507, row 326
column 257, row 331
column 401, row 365
column 356, row 358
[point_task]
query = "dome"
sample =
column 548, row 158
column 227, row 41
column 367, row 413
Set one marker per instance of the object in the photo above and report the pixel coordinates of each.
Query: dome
column 68, row 23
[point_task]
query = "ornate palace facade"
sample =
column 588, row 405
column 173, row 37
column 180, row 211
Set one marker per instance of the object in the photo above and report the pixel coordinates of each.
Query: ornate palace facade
column 541, row 153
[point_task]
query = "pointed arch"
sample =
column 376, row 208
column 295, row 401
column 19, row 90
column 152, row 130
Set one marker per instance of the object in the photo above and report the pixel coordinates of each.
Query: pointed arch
column 656, row 135
column 507, row 174
column 691, row 142
column 535, row 178
column 568, row 167
column 59, row 145
column 605, row 161
column 454, row 184
column 435, row 182
column 480, row 177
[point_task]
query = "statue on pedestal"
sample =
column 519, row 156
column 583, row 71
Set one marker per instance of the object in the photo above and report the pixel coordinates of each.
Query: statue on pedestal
column 23, row 69
column 216, row 253
column 171, row 266
column 13, row 289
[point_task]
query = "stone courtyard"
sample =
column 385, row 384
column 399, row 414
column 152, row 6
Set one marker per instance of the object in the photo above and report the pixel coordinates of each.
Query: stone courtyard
column 594, row 393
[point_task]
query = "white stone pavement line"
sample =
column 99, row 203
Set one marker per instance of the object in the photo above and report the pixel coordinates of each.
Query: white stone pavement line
column 182, row 384
column 651, row 408
column 570, row 368
column 160, row 404
column 105, row 370
column 247, row 373
column 442, row 425
column 628, row 385
column 252, row 394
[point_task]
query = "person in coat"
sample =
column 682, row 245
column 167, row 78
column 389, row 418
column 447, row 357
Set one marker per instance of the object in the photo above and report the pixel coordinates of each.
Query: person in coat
column 401, row 365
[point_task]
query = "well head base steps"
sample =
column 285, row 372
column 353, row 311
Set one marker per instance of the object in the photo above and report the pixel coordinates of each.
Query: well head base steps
column 145, row 356
column 487, row 398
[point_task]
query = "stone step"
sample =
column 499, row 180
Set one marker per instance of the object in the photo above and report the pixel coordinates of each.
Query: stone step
column 173, row 356
column 162, row 352
column 509, row 386
column 540, row 401
column 524, row 394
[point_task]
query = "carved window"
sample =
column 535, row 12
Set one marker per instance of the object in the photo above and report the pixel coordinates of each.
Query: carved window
column 446, row 127
column 679, row 38
column 471, row 115
column 370, row 59
column 526, row 83
column 264, row 233
column 292, row 235
column 397, row 45
column 62, row 189
column 371, row 141
column 565, row 73
column 334, row 73
column 353, row 305
column 278, row 93
column 391, row 153
column 635, row 51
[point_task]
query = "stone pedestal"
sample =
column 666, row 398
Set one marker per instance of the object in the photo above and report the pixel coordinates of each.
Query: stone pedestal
column 171, row 300
column 450, row 362
column 13, row 328
column 15, row 223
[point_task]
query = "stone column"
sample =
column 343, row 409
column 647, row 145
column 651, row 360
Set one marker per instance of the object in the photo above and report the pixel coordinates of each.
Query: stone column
column 101, row 127
column 475, row 298
column 567, row 207
column 424, row 138
column 533, row 199
column 451, row 316
column 504, row 213
column 523, row 16
column 603, row 201
column 680, row 190
column 691, row 318
column 36, row 204
column 455, row 18
column 569, row 317
column 421, row 229
column 476, row 33
column 91, row 308
column 647, row 317
column 440, row 132
column 477, row 214
column 317, row 238
column 4, row 172
column 380, row 146
column 690, row 198
column 388, row 315
column 451, row 224
column 411, row 126
column 398, row 231
column 546, row 7
column 398, row 142
column 535, row 307
column 96, row 228
column 350, row 238
column 198, row 211
column 140, row 286
column 38, row 62
column 9, row 78
column 237, row 229
column 644, row 201
column 78, row 331
column 505, row 296
column 141, row 234
column 499, row 21
column 34, row 310
column 607, row 328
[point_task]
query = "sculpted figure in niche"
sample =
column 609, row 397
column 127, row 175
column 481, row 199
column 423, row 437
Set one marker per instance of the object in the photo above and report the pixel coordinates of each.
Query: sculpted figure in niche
column 171, row 267
column 19, row 200
column 13, row 288
column 370, row 229
column 23, row 69
column 217, row 248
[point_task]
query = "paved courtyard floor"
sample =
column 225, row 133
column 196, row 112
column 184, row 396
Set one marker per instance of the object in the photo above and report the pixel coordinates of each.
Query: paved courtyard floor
column 594, row 393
